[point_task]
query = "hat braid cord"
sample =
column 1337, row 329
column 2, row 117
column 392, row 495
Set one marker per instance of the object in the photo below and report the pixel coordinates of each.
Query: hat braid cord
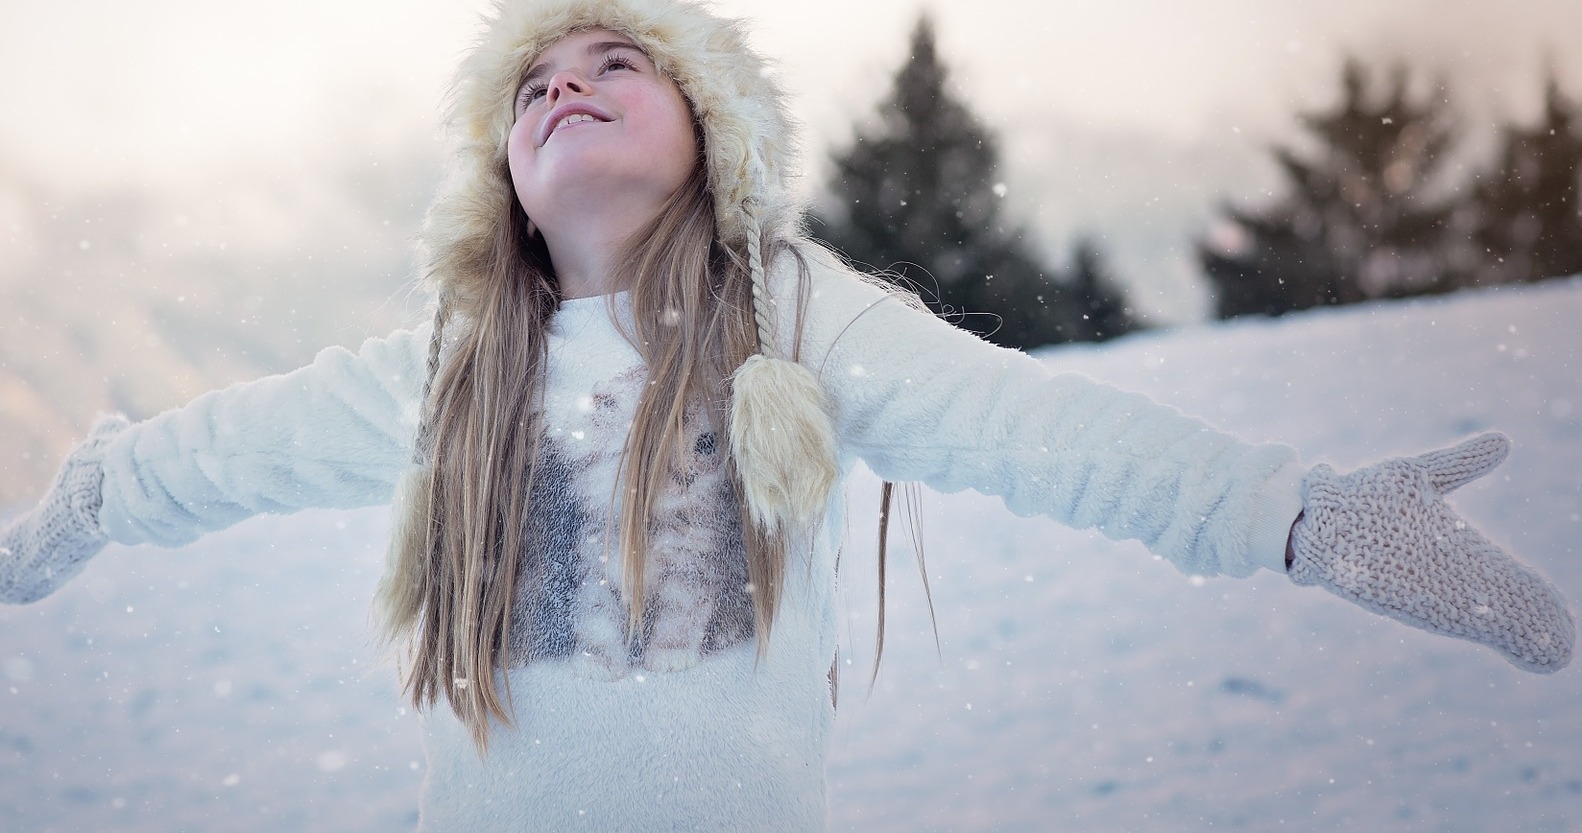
column 423, row 446
column 760, row 288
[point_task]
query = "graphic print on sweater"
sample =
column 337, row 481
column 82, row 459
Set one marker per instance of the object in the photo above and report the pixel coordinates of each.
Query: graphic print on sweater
column 568, row 600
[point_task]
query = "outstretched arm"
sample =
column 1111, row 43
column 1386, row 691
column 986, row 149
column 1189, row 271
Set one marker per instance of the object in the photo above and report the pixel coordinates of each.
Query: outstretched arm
column 918, row 399
column 333, row 434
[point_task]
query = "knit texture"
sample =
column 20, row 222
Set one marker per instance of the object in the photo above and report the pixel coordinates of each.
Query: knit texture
column 43, row 549
column 1383, row 537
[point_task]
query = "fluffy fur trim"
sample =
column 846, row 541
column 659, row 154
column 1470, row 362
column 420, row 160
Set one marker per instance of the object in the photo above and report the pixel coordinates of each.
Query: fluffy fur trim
column 747, row 131
column 782, row 442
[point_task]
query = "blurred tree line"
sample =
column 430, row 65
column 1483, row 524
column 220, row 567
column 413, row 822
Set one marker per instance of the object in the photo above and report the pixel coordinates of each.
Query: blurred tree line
column 919, row 201
column 1372, row 210
column 1375, row 212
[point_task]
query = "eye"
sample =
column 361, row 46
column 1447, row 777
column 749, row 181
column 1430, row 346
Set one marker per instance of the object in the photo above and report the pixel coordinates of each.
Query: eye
column 529, row 94
column 617, row 60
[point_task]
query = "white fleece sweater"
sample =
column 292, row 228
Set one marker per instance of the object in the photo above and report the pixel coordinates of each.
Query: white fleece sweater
column 684, row 731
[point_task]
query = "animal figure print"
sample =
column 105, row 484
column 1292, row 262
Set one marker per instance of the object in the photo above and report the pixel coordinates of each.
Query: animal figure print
column 568, row 601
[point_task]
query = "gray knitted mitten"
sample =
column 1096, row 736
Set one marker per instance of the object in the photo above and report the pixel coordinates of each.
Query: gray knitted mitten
column 42, row 549
column 1384, row 538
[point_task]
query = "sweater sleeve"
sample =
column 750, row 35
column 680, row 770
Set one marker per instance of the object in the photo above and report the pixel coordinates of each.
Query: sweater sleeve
column 333, row 434
column 917, row 399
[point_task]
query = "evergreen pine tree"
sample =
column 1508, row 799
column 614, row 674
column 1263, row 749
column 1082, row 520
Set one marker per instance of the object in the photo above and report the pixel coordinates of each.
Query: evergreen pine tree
column 1358, row 222
column 1104, row 312
column 1529, row 221
column 920, row 198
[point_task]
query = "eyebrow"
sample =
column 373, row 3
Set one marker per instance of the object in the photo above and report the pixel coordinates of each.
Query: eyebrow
column 539, row 70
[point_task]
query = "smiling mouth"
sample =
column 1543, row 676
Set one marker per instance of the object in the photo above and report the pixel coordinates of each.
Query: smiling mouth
column 574, row 118
column 569, row 120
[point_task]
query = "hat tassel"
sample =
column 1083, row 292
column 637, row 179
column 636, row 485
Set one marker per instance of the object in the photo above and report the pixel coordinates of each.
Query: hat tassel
column 781, row 437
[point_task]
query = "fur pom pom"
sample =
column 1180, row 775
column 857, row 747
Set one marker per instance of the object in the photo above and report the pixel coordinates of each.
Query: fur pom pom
column 399, row 598
column 782, row 442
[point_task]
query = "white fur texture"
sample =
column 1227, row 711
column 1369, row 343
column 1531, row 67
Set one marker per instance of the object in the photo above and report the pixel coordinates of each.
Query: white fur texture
column 782, row 442
column 335, row 434
column 918, row 399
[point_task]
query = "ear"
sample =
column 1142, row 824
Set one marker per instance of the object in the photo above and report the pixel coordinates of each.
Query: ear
column 1451, row 468
column 532, row 229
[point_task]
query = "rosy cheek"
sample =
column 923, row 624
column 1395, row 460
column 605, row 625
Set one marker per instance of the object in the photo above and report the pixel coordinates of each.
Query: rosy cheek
column 519, row 142
column 518, row 130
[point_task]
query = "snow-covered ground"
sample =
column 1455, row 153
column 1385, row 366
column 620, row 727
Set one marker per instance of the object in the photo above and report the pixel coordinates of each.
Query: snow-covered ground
column 1079, row 684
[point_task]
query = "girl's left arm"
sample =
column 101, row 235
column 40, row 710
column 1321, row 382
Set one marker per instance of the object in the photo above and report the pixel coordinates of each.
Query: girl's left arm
column 918, row 399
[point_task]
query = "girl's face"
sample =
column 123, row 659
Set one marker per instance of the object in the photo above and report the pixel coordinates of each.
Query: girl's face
column 597, row 124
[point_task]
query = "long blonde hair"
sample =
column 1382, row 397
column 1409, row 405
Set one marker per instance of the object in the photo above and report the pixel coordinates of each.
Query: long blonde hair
column 692, row 323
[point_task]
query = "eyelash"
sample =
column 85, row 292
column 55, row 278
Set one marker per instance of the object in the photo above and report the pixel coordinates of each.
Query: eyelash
column 529, row 93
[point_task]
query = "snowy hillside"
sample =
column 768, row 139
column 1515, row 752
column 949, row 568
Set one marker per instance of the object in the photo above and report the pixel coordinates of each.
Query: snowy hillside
column 1079, row 684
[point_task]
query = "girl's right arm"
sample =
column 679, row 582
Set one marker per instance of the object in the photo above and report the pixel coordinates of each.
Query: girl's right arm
column 333, row 434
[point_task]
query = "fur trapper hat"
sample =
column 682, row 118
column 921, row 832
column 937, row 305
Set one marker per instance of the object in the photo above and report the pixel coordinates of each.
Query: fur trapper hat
column 781, row 439
column 748, row 135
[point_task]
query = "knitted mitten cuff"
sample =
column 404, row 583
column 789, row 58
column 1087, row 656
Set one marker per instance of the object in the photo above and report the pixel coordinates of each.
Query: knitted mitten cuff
column 41, row 550
column 1383, row 537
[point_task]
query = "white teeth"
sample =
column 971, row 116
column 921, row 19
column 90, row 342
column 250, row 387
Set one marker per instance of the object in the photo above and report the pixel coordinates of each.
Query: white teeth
column 574, row 118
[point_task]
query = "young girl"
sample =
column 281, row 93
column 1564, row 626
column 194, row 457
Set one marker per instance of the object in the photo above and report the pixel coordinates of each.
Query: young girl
column 617, row 452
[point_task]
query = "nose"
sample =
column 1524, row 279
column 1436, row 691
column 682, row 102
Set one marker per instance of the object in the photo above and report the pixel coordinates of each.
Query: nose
column 566, row 82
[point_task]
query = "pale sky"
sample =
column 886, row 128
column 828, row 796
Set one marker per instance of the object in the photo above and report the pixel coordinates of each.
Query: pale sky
column 179, row 96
